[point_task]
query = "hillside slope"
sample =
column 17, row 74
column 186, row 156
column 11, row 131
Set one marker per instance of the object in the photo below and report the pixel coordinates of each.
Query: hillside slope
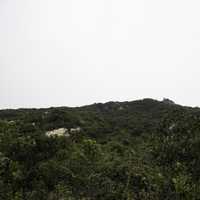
column 143, row 149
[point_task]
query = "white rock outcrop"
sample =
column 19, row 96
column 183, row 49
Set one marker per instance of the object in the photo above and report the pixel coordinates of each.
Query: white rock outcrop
column 75, row 130
column 172, row 126
column 58, row 132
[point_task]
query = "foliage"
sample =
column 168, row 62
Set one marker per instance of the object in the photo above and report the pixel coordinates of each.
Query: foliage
column 141, row 150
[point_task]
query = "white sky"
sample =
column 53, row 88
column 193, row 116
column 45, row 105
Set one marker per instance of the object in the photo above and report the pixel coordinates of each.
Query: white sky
column 75, row 52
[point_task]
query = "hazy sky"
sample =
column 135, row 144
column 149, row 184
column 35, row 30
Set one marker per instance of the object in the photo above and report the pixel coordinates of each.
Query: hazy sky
column 76, row 52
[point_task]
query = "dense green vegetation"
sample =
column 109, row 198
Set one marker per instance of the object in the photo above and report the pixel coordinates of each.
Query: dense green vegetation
column 140, row 150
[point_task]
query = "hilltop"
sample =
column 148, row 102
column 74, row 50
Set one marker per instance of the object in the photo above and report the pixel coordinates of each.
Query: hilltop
column 135, row 116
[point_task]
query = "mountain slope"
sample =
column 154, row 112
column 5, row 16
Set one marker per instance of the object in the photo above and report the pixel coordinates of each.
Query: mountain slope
column 141, row 150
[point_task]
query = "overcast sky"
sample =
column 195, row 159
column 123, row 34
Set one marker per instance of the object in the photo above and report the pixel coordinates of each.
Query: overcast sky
column 77, row 52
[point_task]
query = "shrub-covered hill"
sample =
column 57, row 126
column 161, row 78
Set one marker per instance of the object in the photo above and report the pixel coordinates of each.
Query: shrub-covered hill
column 97, row 119
column 143, row 149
